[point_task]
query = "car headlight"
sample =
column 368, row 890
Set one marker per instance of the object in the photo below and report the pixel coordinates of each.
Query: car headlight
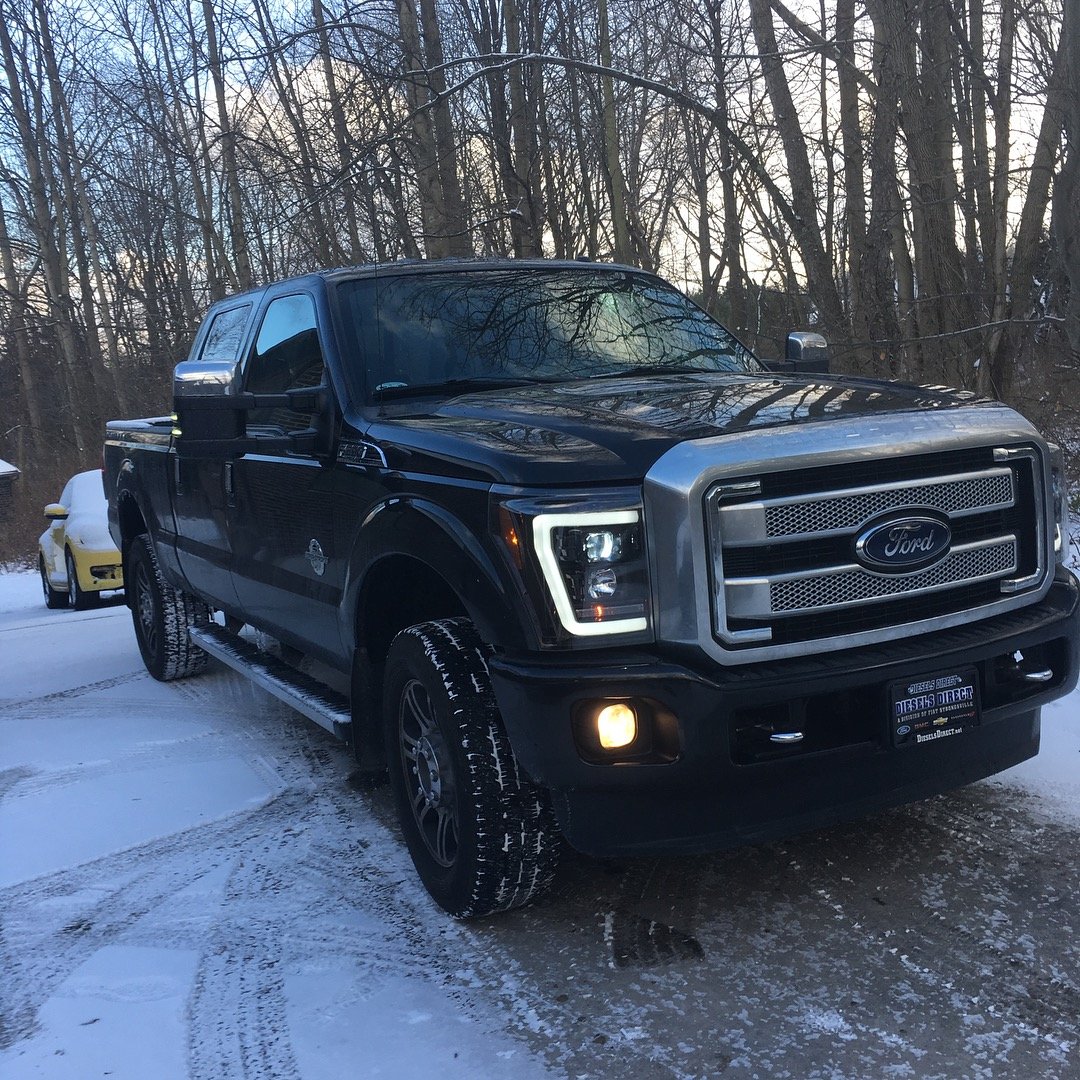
column 592, row 561
column 594, row 566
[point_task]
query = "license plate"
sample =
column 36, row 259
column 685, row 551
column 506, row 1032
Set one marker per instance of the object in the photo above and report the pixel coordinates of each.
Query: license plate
column 925, row 710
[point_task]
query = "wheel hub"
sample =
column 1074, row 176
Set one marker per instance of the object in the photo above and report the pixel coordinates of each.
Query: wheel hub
column 145, row 602
column 428, row 772
column 146, row 609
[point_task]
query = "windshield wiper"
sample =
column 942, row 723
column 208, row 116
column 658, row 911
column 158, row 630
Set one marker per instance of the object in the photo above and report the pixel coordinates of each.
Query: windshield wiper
column 387, row 390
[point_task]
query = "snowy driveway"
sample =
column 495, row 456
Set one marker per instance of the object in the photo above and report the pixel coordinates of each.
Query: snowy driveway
column 191, row 886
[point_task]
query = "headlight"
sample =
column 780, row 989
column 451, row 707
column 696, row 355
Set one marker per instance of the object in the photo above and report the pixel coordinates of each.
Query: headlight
column 592, row 562
column 594, row 566
column 1059, row 494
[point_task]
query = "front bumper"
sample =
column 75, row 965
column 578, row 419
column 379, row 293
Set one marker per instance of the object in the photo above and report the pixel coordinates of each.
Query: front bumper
column 98, row 571
column 726, row 786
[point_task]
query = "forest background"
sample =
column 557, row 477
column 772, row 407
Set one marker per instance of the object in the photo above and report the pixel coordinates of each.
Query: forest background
column 902, row 175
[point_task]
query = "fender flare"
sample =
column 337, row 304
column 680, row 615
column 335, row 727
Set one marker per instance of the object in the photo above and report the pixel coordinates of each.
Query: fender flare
column 419, row 529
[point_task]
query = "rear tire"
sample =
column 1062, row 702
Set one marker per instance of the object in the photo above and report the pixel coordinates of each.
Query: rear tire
column 482, row 836
column 77, row 598
column 162, row 616
column 54, row 598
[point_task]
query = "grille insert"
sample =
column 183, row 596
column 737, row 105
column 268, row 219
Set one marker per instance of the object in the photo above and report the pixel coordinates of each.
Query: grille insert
column 783, row 560
column 986, row 492
column 857, row 586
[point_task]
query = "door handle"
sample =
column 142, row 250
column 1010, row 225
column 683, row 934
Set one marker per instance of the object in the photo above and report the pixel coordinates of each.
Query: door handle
column 230, row 485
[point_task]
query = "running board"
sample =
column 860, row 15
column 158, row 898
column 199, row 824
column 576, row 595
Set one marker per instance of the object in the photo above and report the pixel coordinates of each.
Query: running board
column 329, row 709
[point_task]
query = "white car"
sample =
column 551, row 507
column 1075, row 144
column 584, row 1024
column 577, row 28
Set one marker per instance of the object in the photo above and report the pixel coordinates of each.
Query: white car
column 76, row 555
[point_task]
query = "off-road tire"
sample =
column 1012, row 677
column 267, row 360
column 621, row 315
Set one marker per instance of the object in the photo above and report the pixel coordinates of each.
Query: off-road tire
column 77, row 598
column 162, row 616
column 505, row 845
column 54, row 598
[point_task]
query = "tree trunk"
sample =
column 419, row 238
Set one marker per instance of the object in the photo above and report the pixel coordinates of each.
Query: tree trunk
column 523, row 123
column 341, row 134
column 854, row 180
column 1066, row 209
column 234, row 193
column 48, row 237
column 624, row 250
column 458, row 242
column 807, row 232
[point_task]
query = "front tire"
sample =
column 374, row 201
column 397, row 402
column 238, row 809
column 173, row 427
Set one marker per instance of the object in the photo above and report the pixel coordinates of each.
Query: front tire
column 77, row 598
column 54, row 598
column 162, row 616
column 482, row 836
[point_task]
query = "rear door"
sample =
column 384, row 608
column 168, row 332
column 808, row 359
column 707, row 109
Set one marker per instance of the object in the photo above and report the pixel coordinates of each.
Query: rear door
column 286, row 572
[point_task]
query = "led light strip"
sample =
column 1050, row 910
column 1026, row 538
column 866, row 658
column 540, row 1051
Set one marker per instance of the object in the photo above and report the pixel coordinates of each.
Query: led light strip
column 542, row 526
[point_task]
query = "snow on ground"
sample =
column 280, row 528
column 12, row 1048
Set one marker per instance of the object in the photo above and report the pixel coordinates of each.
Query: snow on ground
column 192, row 886
column 1053, row 778
column 100, row 766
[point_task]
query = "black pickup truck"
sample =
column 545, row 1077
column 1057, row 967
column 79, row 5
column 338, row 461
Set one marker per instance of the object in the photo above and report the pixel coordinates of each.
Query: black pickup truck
column 552, row 546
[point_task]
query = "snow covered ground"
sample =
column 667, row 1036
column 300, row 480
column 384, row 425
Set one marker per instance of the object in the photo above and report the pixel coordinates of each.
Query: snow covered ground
column 192, row 885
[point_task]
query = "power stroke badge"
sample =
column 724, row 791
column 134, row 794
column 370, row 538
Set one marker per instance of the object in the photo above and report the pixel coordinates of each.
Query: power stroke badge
column 937, row 707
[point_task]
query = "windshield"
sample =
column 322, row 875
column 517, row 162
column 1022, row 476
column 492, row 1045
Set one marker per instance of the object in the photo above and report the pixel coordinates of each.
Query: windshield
column 416, row 333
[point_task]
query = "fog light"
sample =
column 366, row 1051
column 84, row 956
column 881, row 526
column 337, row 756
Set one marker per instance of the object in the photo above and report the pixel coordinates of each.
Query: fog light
column 616, row 726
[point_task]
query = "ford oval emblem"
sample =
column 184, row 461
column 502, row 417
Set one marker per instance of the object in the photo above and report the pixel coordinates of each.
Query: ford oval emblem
column 903, row 545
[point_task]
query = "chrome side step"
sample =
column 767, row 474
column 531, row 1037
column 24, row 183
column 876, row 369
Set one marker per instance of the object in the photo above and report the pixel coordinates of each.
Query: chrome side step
column 318, row 702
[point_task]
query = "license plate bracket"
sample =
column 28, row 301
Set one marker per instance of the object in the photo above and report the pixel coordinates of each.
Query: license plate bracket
column 929, row 708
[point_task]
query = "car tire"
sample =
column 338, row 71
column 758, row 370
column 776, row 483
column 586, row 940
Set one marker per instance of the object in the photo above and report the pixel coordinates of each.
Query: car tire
column 77, row 598
column 54, row 598
column 482, row 836
column 163, row 615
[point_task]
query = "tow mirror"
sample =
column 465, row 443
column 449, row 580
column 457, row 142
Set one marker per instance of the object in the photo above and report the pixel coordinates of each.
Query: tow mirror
column 807, row 352
column 56, row 512
column 213, row 424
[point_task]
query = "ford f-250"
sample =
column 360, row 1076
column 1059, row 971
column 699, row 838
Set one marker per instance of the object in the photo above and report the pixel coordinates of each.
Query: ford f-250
column 585, row 568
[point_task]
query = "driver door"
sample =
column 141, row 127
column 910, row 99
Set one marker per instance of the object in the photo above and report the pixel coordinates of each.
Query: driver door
column 287, row 575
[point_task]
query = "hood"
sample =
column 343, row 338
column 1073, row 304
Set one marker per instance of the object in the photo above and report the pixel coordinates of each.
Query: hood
column 613, row 430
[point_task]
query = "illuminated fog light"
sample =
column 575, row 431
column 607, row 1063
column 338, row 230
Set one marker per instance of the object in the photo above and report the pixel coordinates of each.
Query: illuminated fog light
column 602, row 584
column 603, row 546
column 616, row 726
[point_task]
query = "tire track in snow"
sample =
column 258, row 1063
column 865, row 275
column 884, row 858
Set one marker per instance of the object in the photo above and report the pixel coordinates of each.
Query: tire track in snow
column 47, row 702
column 46, row 939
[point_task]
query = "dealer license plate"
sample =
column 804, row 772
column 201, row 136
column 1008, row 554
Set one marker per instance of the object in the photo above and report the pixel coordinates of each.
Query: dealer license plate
column 925, row 710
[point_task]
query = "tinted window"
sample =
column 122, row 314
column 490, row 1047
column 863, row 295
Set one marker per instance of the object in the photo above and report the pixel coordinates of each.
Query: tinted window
column 226, row 335
column 427, row 329
column 287, row 356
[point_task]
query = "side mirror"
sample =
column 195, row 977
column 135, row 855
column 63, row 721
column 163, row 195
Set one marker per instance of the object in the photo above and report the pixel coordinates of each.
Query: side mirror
column 55, row 512
column 807, row 352
column 213, row 424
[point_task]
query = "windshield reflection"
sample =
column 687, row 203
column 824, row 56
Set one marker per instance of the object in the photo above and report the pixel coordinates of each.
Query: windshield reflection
column 422, row 332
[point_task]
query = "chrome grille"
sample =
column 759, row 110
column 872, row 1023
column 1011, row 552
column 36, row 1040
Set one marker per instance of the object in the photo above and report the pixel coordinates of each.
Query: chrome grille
column 794, row 575
column 854, row 585
column 953, row 496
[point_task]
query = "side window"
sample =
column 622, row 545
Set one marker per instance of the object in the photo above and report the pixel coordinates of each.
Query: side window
column 226, row 335
column 287, row 356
